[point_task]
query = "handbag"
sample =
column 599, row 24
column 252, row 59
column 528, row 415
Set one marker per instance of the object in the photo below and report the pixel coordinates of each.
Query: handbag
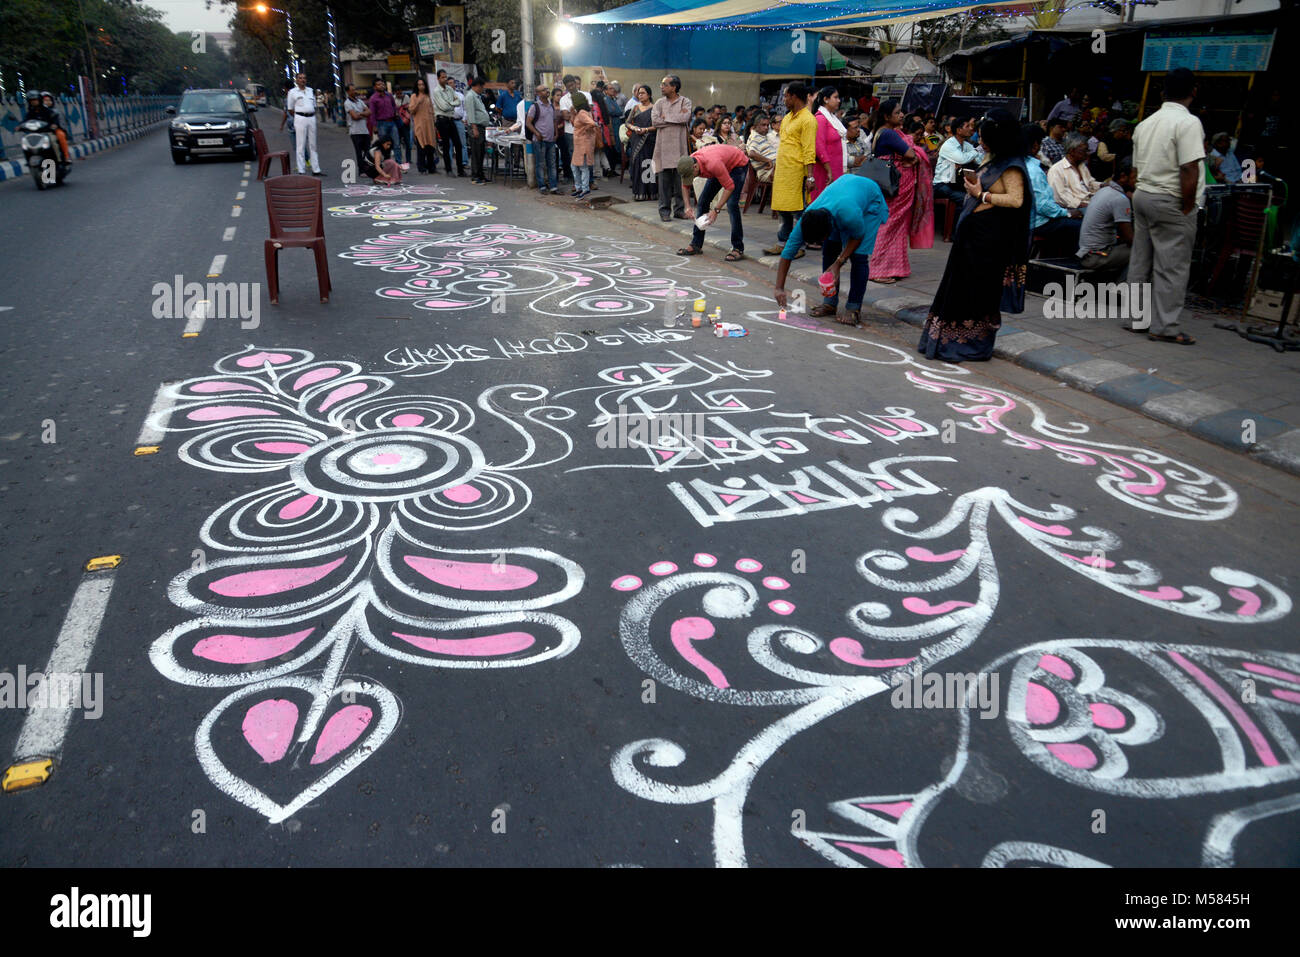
column 882, row 172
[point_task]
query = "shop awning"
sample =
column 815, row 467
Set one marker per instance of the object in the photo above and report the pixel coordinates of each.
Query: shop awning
column 776, row 14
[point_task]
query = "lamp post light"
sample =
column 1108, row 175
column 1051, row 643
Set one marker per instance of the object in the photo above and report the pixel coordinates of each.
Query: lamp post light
column 291, row 70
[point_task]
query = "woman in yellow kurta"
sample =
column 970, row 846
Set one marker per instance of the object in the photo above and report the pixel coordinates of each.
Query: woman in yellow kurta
column 795, row 158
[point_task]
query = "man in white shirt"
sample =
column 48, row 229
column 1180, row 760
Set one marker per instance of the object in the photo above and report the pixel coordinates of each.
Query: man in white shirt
column 1070, row 178
column 566, row 139
column 955, row 152
column 301, row 105
column 1168, row 159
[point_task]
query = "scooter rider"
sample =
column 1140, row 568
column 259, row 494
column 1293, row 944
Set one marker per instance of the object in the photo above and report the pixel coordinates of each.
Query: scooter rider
column 40, row 106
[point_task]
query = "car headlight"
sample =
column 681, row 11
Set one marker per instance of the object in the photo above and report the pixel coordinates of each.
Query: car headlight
column 238, row 124
column 180, row 126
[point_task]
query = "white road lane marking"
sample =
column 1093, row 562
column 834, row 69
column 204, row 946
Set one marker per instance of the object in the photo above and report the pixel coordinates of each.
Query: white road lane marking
column 228, row 235
column 46, row 727
column 151, row 434
column 239, row 195
column 235, row 211
column 243, row 182
column 218, row 264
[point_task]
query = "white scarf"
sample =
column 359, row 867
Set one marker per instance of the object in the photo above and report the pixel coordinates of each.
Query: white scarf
column 838, row 127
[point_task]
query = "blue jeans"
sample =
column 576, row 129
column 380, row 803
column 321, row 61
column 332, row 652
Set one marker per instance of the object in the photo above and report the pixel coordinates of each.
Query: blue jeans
column 389, row 128
column 711, row 189
column 787, row 225
column 548, row 158
column 859, row 271
column 582, row 177
column 464, row 141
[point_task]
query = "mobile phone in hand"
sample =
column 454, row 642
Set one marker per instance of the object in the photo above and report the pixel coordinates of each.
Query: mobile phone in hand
column 971, row 175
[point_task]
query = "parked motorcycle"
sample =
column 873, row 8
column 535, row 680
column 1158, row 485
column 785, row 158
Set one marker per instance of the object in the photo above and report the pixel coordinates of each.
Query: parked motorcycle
column 44, row 158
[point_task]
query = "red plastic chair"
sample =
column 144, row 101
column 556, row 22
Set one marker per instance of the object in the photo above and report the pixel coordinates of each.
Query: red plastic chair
column 949, row 215
column 264, row 156
column 295, row 207
column 1245, row 227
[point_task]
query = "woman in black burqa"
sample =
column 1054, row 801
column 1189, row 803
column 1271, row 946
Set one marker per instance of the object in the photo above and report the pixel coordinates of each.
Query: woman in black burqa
column 987, row 264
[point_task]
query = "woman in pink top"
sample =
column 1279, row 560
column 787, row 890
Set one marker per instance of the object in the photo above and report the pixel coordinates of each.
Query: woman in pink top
column 831, row 144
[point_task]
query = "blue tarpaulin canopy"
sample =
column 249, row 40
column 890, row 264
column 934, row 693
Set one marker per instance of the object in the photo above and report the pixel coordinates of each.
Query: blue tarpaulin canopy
column 777, row 14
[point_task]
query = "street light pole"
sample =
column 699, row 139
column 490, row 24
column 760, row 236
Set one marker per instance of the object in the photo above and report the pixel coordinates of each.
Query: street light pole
column 526, row 42
column 334, row 62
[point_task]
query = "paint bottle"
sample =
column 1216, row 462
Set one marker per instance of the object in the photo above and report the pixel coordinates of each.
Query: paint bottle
column 781, row 316
column 696, row 321
column 700, row 305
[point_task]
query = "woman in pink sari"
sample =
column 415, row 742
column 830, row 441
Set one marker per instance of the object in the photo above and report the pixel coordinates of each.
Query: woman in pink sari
column 911, row 211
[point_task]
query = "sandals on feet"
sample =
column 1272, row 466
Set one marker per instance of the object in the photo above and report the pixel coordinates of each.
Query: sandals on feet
column 734, row 256
column 884, row 282
column 850, row 318
column 821, row 311
column 1182, row 338
column 688, row 251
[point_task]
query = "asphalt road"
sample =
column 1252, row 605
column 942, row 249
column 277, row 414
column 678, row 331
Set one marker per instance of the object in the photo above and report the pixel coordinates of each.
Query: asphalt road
column 389, row 597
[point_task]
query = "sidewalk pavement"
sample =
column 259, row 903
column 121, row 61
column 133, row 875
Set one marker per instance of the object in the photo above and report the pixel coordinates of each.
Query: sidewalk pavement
column 1220, row 389
column 14, row 169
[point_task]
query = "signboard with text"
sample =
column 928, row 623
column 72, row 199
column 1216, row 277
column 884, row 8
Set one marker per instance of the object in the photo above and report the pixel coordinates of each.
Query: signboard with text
column 1230, row 51
column 431, row 43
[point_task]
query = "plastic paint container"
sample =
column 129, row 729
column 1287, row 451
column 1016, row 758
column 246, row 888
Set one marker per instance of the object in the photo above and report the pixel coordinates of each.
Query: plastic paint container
column 700, row 305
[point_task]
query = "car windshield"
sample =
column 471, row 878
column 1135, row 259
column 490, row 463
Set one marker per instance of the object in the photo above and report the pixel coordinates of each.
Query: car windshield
column 212, row 103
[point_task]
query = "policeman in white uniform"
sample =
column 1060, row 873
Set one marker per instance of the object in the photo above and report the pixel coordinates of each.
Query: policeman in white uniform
column 301, row 105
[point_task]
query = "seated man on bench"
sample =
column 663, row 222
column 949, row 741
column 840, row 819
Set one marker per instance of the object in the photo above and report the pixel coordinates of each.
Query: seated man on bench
column 1106, row 239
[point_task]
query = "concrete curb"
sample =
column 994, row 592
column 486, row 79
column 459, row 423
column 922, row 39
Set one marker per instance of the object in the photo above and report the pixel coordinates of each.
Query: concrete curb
column 16, row 169
column 1277, row 443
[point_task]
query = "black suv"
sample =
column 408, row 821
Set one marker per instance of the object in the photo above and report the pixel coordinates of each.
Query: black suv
column 211, row 122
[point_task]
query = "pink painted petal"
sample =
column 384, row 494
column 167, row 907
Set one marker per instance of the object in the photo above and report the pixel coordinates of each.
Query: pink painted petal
column 1075, row 755
column 1041, row 705
column 1049, row 529
column 343, row 727
column 1057, row 666
column 314, row 376
column 271, row 581
column 246, row 649
column 298, row 507
column 925, row 555
column 850, row 651
column 920, row 606
column 341, row 393
column 472, row 576
column 489, row 646
column 268, row 728
column 1107, row 716
column 282, row 448
column 216, row 413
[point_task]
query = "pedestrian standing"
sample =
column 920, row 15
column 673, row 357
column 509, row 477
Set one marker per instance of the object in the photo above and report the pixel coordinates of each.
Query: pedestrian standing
column 584, row 143
column 989, row 253
column 832, row 149
column 1168, row 160
column 403, row 119
column 641, row 144
column 423, row 129
column 476, row 121
column 566, row 138
column 911, row 209
column 540, row 122
column 383, row 109
column 357, row 112
column 445, row 103
column 796, row 157
column 669, row 117
column 724, row 168
column 301, row 102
